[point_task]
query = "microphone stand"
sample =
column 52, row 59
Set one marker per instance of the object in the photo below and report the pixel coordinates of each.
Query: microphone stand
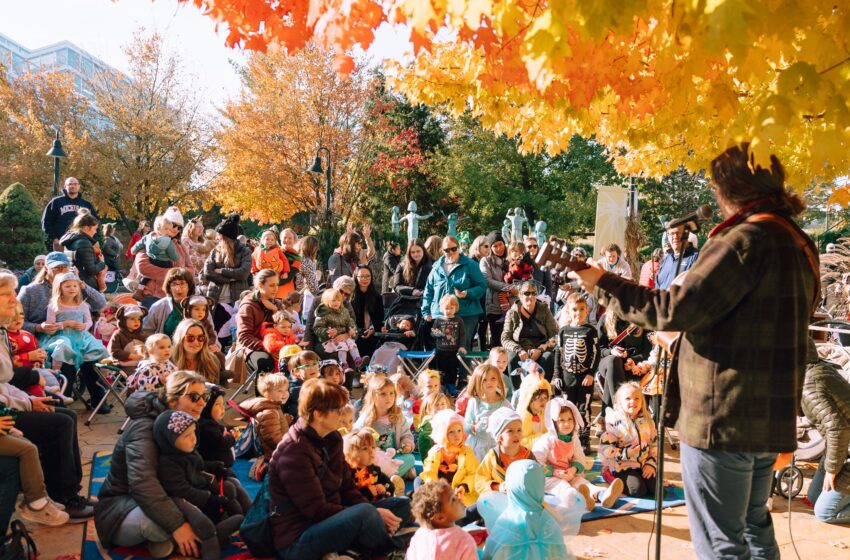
column 659, row 471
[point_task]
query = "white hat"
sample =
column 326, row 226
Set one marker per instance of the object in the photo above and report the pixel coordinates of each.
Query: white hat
column 173, row 215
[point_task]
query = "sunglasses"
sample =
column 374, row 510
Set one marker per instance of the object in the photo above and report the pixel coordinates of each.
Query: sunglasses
column 345, row 294
column 529, row 293
column 192, row 338
column 533, row 246
column 448, row 250
column 195, row 397
column 305, row 366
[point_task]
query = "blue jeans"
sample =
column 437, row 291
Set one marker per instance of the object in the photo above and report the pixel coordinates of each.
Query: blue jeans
column 832, row 506
column 726, row 496
column 9, row 485
column 357, row 527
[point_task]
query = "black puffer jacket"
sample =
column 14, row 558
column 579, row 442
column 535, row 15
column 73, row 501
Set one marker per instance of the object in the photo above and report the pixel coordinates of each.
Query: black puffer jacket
column 132, row 479
column 236, row 277
column 826, row 403
column 79, row 248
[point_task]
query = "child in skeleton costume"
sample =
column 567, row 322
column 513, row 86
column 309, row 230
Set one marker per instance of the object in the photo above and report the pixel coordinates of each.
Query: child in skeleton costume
column 579, row 360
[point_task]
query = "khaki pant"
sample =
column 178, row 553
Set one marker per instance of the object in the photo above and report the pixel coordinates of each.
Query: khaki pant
column 32, row 478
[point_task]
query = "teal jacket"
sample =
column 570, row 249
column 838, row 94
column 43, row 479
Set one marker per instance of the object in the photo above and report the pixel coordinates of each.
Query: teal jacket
column 466, row 277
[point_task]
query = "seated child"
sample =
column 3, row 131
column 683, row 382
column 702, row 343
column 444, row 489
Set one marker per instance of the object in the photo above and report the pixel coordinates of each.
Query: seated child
column 407, row 394
column 107, row 323
column 302, row 366
column 332, row 371
column 346, row 419
column 180, row 472
column 627, row 447
column 359, row 449
column 215, row 443
column 268, row 255
column 486, row 392
column 505, row 427
column 429, row 384
column 200, row 309
column 534, row 393
column 580, row 358
column 437, row 508
column 27, row 354
column 498, row 358
column 267, row 410
column 160, row 248
column 286, row 353
column 431, row 405
column 294, row 303
column 381, row 413
column 450, row 458
column 278, row 334
column 127, row 343
column 151, row 373
column 564, row 461
column 335, row 328
column 404, row 327
column 449, row 339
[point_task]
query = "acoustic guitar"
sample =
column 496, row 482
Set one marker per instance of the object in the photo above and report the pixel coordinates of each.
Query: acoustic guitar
column 554, row 255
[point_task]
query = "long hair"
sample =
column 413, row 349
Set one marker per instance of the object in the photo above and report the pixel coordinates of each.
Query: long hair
column 609, row 322
column 226, row 248
column 84, row 219
column 57, row 288
column 348, row 244
column 370, row 411
column 627, row 388
column 434, row 245
column 740, row 180
column 475, row 248
column 206, row 363
column 475, row 388
column 409, row 266
column 308, row 247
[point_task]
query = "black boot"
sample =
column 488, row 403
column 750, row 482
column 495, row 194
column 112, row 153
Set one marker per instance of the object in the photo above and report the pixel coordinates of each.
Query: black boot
column 225, row 529
column 584, row 438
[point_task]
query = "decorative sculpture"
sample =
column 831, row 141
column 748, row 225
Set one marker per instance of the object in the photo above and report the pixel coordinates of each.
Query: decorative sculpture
column 413, row 220
column 517, row 220
column 452, row 231
column 506, row 231
column 396, row 222
column 540, row 232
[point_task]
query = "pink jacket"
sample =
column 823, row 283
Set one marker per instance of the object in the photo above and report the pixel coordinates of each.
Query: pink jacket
column 437, row 544
column 143, row 267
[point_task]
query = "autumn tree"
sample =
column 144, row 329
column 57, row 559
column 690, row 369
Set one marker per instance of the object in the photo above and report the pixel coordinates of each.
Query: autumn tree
column 32, row 107
column 288, row 107
column 662, row 83
column 149, row 143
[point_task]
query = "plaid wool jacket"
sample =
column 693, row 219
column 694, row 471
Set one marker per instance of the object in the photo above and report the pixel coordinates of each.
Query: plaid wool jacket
column 744, row 309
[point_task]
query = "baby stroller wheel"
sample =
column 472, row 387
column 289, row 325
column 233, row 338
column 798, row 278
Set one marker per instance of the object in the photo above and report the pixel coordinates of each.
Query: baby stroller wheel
column 789, row 482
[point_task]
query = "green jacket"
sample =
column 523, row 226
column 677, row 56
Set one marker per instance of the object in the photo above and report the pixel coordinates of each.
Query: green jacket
column 513, row 325
column 826, row 403
column 744, row 309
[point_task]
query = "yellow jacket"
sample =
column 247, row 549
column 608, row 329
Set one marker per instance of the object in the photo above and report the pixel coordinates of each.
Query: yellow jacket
column 491, row 470
column 467, row 465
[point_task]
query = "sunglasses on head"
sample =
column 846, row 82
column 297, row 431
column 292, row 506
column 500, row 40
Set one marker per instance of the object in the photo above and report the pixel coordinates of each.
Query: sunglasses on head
column 195, row 397
column 448, row 250
column 192, row 338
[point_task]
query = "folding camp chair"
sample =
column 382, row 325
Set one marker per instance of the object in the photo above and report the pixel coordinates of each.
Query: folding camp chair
column 472, row 360
column 114, row 380
column 415, row 361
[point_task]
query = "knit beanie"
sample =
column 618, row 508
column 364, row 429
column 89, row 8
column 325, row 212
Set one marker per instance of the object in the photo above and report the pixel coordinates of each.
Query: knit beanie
column 494, row 237
column 167, row 428
column 173, row 215
column 500, row 419
column 229, row 227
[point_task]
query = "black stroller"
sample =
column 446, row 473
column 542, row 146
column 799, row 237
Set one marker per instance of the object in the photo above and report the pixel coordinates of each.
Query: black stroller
column 403, row 308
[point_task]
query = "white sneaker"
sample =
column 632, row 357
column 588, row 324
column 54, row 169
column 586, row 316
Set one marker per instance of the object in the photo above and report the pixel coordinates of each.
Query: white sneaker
column 610, row 494
column 67, row 400
column 161, row 549
column 48, row 515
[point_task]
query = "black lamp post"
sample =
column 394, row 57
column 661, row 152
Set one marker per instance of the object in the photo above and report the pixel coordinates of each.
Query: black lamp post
column 57, row 153
column 317, row 168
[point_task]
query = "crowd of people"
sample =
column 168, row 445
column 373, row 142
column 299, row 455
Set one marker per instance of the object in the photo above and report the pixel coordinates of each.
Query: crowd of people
column 210, row 307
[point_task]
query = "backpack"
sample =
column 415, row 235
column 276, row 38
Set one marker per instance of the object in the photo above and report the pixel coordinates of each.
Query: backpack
column 256, row 529
column 18, row 545
column 248, row 444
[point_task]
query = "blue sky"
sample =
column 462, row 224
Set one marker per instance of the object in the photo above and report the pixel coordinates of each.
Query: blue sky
column 102, row 26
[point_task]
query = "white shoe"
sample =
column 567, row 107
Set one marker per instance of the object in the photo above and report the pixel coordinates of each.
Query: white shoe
column 49, row 515
column 67, row 400
column 610, row 494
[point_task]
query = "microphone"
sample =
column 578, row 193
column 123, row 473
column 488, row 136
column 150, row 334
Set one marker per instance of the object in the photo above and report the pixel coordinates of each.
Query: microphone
column 691, row 221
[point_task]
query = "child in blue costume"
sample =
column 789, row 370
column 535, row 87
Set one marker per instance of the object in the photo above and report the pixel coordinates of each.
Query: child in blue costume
column 521, row 525
column 73, row 343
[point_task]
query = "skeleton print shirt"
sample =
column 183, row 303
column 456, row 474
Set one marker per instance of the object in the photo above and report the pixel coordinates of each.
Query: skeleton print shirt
column 579, row 352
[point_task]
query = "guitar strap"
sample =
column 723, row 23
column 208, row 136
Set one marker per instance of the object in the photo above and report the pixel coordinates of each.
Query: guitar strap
column 800, row 240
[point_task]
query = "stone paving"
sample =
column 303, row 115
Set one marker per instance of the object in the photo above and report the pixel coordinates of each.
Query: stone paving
column 625, row 537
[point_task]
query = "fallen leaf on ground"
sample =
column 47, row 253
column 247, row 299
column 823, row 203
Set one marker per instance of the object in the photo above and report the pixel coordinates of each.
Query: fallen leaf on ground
column 593, row 553
column 838, row 544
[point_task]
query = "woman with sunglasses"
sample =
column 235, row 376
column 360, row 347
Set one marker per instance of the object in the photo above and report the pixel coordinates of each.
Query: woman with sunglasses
column 456, row 274
column 192, row 352
column 133, row 509
column 530, row 331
